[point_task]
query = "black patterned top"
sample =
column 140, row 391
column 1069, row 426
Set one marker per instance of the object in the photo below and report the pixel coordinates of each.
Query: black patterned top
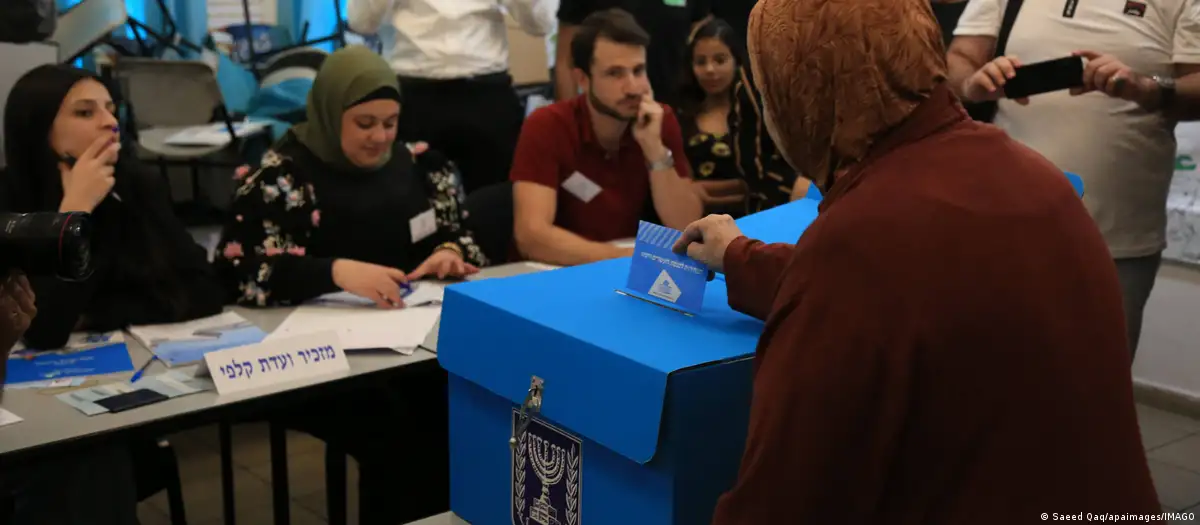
column 295, row 215
column 746, row 151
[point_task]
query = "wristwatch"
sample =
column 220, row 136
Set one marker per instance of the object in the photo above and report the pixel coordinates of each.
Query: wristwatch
column 665, row 163
column 1166, row 91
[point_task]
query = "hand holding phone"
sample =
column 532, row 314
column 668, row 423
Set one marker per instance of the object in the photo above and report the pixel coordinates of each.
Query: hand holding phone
column 988, row 83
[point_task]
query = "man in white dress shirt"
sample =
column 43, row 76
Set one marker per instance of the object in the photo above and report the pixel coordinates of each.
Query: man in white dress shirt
column 1142, row 75
column 452, row 60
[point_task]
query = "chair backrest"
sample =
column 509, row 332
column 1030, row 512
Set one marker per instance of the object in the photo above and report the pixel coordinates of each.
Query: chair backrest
column 490, row 219
column 168, row 93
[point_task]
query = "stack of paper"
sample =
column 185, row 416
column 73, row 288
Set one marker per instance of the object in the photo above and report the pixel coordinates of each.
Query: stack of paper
column 183, row 343
column 361, row 325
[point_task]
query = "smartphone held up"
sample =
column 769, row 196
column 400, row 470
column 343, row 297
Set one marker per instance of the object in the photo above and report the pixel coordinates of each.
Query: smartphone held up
column 1045, row 77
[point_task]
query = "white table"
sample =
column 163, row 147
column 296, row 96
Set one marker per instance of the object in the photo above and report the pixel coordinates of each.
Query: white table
column 49, row 421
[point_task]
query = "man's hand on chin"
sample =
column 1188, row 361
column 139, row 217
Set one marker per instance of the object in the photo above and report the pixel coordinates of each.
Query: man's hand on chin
column 707, row 239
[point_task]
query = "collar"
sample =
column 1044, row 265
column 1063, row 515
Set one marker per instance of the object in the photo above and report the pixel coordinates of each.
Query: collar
column 941, row 110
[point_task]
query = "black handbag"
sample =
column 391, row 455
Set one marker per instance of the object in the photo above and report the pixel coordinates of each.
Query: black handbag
column 986, row 111
column 26, row 21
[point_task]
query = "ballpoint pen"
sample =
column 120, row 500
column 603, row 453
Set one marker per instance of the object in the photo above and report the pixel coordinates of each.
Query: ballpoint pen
column 138, row 375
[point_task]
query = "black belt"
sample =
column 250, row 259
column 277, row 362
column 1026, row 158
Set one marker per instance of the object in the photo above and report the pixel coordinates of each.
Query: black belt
column 497, row 78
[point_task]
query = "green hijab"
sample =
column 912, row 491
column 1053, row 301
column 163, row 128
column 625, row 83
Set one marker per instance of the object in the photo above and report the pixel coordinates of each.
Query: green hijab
column 346, row 77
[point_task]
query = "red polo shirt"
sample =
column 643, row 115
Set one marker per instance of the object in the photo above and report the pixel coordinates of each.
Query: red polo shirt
column 557, row 142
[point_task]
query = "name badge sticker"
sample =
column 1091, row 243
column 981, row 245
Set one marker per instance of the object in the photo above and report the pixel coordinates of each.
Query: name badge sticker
column 275, row 361
column 581, row 187
column 422, row 226
column 661, row 276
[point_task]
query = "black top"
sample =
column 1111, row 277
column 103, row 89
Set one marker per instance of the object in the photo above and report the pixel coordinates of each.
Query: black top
column 669, row 22
column 294, row 216
column 746, row 151
column 148, row 268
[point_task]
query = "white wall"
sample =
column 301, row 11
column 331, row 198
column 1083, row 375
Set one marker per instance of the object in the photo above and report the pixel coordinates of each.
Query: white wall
column 1168, row 357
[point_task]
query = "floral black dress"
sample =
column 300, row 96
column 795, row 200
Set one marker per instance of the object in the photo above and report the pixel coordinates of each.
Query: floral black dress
column 296, row 214
column 746, row 152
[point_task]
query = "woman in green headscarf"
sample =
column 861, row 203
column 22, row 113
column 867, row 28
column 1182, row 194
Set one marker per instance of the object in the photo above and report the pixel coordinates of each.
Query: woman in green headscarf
column 338, row 204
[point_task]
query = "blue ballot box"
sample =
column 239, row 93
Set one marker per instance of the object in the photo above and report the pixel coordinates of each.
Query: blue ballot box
column 643, row 410
column 572, row 404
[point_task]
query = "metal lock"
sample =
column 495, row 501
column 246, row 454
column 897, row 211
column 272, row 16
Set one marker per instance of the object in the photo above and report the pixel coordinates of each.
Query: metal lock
column 532, row 405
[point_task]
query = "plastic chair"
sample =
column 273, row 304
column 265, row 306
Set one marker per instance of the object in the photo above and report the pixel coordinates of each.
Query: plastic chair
column 166, row 97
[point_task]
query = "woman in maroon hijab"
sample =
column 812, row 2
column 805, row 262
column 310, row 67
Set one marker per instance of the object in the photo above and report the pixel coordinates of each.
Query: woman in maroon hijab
column 945, row 344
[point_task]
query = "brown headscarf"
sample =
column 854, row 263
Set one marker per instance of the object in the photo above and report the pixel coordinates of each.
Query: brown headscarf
column 836, row 75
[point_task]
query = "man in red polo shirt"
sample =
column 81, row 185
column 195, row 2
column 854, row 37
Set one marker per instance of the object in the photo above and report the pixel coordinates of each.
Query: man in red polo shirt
column 586, row 170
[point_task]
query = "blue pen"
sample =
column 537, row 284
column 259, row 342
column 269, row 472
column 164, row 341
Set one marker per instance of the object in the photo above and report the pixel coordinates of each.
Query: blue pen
column 406, row 290
column 138, row 375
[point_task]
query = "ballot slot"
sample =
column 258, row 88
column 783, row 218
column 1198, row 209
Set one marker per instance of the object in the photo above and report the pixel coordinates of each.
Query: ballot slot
column 662, row 277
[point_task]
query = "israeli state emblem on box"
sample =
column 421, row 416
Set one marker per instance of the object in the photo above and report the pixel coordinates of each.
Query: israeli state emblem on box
column 546, row 469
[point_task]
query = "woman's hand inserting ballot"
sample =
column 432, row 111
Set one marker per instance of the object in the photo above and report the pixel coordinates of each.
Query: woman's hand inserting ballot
column 370, row 281
column 443, row 263
column 707, row 239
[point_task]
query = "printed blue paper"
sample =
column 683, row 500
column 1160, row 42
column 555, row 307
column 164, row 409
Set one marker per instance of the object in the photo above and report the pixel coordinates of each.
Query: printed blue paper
column 661, row 276
column 106, row 359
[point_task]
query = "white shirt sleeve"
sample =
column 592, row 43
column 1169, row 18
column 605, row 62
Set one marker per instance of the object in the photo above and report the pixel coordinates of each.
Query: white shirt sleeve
column 365, row 17
column 981, row 18
column 1187, row 34
column 536, row 17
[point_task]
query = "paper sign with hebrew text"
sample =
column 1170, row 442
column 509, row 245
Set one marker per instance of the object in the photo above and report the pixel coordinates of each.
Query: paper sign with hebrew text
column 276, row 361
column 663, row 277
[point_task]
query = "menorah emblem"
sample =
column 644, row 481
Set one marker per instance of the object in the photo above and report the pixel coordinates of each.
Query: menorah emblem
column 553, row 457
column 548, row 461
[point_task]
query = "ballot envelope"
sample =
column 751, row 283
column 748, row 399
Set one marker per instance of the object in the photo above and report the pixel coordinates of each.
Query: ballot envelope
column 572, row 404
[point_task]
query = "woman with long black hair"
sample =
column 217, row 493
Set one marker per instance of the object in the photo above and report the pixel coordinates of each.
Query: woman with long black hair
column 735, row 164
column 63, row 148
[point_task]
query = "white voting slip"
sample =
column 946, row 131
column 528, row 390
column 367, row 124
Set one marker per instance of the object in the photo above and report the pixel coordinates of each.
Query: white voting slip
column 8, row 418
column 360, row 324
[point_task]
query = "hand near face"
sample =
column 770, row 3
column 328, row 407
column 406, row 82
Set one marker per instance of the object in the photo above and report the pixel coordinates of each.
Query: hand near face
column 1108, row 75
column 443, row 263
column 707, row 239
column 647, row 129
column 91, row 178
column 17, row 310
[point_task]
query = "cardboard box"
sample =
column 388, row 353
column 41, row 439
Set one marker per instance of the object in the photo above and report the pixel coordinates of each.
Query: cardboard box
column 643, row 410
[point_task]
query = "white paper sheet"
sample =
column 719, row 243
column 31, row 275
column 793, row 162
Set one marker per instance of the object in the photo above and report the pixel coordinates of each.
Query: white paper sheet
column 198, row 330
column 362, row 327
column 424, row 294
column 8, row 418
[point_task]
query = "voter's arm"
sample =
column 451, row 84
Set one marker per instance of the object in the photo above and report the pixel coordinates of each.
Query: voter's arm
column 538, row 239
column 752, row 272
column 831, row 388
